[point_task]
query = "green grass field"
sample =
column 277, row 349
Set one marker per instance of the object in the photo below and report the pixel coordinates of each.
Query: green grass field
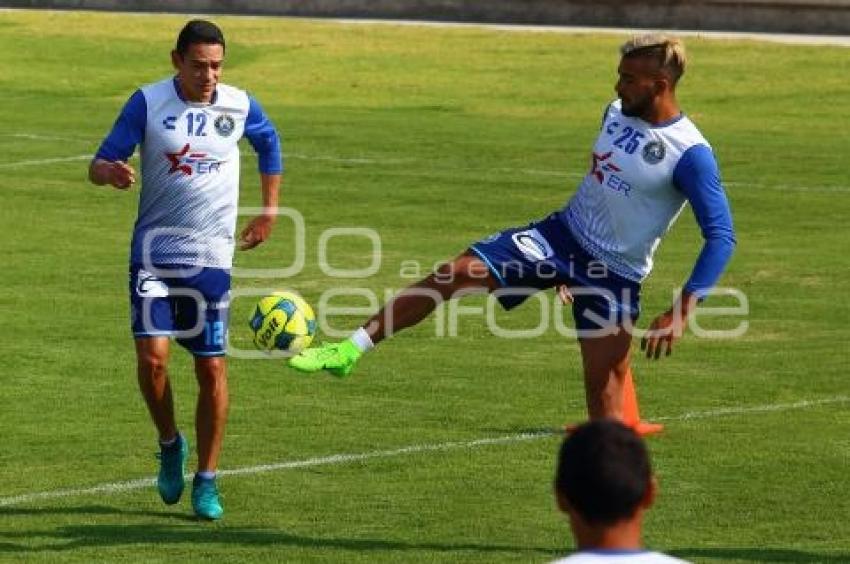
column 434, row 138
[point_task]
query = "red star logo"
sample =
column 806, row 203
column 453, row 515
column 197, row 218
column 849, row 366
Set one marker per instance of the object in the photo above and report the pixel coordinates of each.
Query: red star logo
column 600, row 165
column 176, row 158
column 179, row 161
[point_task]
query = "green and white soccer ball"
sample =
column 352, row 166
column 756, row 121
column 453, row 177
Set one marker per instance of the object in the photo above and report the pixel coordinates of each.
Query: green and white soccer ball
column 283, row 321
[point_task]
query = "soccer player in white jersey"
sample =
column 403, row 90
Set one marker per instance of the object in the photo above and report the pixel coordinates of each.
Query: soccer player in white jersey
column 188, row 126
column 647, row 163
column 604, row 484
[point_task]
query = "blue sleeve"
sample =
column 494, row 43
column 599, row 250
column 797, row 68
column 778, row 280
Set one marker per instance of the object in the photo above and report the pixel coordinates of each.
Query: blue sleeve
column 263, row 137
column 698, row 177
column 127, row 132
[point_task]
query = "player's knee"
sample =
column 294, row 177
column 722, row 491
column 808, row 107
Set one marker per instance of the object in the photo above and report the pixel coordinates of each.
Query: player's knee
column 210, row 370
column 152, row 365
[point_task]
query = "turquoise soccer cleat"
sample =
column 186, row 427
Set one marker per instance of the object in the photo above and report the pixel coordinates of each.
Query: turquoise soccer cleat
column 205, row 499
column 337, row 358
column 172, row 466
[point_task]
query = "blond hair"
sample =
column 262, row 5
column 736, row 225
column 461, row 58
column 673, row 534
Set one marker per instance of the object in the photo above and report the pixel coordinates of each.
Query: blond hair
column 668, row 51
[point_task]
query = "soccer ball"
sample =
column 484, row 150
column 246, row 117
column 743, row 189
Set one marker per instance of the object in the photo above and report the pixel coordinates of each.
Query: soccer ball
column 283, row 321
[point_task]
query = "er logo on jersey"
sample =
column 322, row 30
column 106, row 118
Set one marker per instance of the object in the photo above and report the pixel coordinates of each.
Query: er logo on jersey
column 188, row 162
column 602, row 166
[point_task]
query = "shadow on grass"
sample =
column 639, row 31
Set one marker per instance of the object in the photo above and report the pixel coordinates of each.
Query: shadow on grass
column 194, row 531
column 758, row 555
column 91, row 510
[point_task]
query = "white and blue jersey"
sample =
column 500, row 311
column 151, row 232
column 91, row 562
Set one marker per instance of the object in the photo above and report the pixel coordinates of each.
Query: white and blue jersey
column 601, row 244
column 187, row 206
column 189, row 170
column 641, row 176
column 614, row 556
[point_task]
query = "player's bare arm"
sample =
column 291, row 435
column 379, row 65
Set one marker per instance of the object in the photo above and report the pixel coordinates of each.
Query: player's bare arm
column 118, row 173
column 260, row 228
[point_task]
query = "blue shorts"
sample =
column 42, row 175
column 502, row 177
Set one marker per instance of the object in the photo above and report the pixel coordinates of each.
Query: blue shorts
column 544, row 254
column 192, row 305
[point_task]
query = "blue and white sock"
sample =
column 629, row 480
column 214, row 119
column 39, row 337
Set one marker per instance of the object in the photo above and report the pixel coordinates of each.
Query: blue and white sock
column 169, row 443
column 362, row 340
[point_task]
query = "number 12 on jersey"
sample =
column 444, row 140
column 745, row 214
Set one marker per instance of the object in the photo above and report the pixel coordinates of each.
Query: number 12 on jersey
column 196, row 122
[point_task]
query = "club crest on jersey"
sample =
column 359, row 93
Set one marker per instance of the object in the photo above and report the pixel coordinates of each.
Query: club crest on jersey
column 188, row 162
column 224, row 125
column 653, row 152
column 532, row 244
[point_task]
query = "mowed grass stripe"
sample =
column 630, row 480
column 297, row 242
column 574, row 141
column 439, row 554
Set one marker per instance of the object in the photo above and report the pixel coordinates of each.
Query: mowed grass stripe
column 120, row 487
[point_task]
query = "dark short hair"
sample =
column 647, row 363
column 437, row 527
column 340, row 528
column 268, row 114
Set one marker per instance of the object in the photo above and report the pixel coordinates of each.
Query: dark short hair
column 198, row 31
column 603, row 471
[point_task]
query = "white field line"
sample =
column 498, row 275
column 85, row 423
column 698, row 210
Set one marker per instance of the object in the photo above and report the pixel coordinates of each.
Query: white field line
column 40, row 137
column 36, row 162
column 769, row 408
column 380, row 161
column 348, row 160
column 119, row 487
column 344, row 160
column 528, row 171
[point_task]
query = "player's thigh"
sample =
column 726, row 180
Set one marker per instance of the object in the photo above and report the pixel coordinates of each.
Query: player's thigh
column 466, row 271
column 202, row 312
column 599, row 311
column 151, row 311
column 604, row 319
column 521, row 261
column 603, row 302
column 605, row 354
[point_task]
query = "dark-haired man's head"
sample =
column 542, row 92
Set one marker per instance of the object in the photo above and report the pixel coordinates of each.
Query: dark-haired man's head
column 199, row 31
column 197, row 58
column 603, row 475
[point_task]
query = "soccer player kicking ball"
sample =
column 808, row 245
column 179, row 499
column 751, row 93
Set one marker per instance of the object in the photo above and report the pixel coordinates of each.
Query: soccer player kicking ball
column 188, row 127
column 647, row 163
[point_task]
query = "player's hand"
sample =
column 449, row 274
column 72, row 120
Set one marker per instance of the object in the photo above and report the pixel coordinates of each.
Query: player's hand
column 565, row 294
column 256, row 232
column 660, row 335
column 120, row 174
column 667, row 327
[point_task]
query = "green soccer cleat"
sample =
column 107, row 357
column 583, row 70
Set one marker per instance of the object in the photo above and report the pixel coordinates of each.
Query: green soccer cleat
column 172, row 466
column 205, row 500
column 337, row 358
